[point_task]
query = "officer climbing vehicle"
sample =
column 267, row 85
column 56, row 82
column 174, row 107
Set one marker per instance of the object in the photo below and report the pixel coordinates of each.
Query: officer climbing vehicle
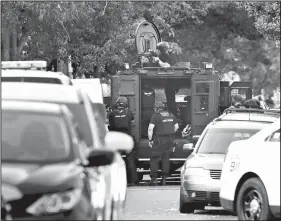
column 194, row 95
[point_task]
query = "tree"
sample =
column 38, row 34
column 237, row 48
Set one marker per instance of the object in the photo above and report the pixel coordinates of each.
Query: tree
column 267, row 18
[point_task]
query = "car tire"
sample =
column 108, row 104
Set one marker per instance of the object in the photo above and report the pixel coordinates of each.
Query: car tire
column 185, row 207
column 253, row 191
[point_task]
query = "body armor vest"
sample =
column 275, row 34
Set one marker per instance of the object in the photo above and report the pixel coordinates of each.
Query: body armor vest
column 121, row 119
column 166, row 127
column 148, row 98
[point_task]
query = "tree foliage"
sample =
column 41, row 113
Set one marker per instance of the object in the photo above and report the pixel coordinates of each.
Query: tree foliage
column 100, row 34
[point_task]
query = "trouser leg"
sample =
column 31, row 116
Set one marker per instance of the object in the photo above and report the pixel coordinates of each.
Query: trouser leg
column 154, row 167
column 131, row 167
column 146, row 115
column 165, row 164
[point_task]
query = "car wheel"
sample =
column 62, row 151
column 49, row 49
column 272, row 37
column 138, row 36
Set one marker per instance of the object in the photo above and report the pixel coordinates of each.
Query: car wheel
column 252, row 201
column 185, row 207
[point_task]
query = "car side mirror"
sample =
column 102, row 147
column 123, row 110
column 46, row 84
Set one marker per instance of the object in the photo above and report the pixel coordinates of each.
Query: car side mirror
column 118, row 141
column 195, row 138
column 100, row 157
column 188, row 147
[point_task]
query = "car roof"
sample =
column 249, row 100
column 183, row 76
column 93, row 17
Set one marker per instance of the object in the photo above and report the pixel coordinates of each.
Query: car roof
column 250, row 114
column 266, row 131
column 257, row 117
column 238, row 125
column 32, row 73
column 37, row 107
column 245, row 119
column 56, row 93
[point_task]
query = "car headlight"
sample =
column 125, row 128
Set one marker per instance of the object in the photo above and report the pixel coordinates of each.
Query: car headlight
column 54, row 203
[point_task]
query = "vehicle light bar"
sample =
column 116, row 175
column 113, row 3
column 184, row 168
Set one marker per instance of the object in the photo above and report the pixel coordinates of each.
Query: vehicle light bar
column 207, row 65
column 23, row 64
column 127, row 66
column 249, row 110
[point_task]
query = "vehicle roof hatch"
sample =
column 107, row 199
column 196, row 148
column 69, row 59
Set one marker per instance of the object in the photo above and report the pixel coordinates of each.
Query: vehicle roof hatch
column 147, row 37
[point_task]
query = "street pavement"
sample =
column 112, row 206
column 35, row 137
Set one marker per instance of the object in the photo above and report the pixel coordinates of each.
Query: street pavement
column 162, row 203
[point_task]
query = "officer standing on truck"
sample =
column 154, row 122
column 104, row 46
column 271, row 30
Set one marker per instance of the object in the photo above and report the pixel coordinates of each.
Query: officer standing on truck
column 166, row 58
column 120, row 120
column 161, row 130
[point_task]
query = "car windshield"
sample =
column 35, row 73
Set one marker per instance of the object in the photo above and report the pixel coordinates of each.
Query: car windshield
column 33, row 137
column 32, row 80
column 100, row 117
column 80, row 115
column 217, row 140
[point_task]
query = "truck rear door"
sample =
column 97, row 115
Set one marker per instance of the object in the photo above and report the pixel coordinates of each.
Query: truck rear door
column 128, row 86
column 244, row 88
column 205, row 100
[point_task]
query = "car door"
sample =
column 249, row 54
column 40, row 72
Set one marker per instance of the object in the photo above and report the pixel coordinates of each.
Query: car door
column 108, row 172
column 95, row 185
column 272, row 153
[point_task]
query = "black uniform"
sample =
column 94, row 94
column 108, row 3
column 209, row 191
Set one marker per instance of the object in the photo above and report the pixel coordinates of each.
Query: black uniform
column 147, row 108
column 169, row 57
column 120, row 120
column 170, row 92
column 163, row 134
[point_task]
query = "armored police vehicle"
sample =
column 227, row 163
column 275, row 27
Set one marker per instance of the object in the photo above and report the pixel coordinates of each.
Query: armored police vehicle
column 195, row 96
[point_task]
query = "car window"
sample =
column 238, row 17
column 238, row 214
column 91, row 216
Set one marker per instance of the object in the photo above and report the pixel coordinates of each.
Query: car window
column 217, row 140
column 32, row 80
column 82, row 150
column 80, row 115
column 100, row 117
column 32, row 137
column 274, row 137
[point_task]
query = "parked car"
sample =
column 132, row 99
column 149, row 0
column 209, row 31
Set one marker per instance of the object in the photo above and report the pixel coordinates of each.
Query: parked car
column 250, row 182
column 23, row 71
column 44, row 156
column 93, row 132
column 200, row 175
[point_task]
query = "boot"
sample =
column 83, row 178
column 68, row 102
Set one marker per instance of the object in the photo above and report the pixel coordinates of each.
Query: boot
column 153, row 182
column 163, row 180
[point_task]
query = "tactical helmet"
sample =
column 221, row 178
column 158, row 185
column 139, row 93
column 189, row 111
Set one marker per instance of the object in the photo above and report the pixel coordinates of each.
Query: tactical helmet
column 237, row 98
column 159, row 105
column 122, row 101
column 253, row 103
column 162, row 46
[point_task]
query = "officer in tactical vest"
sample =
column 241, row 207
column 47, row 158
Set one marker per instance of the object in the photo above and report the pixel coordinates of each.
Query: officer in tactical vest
column 147, row 107
column 161, row 130
column 120, row 120
column 166, row 57
column 236, row 101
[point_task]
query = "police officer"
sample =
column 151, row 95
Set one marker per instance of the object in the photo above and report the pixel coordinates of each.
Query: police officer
column 120, row 120
column 253, row 103
column 237, row 101
column 161, row 130
column 147, row 107
column 166, row 57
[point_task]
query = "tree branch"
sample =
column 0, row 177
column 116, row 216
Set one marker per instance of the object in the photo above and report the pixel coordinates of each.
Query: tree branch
column 23, row 39
column 104, row 9
column 68, row 36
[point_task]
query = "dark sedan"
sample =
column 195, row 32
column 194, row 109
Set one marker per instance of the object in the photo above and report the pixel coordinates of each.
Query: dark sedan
column 44, row 158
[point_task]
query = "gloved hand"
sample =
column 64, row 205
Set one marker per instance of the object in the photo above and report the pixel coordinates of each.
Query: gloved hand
column 186, row 131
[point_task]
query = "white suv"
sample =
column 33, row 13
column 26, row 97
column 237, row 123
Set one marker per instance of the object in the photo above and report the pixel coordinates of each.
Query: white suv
column 250, row 181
